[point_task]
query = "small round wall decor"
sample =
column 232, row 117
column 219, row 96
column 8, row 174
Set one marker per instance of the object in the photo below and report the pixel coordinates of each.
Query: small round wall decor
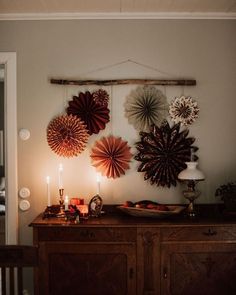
column 184, row 110
column 67, row 135
column 111, row 156
column 146, row 106
column 163, row 153
column 94, row 115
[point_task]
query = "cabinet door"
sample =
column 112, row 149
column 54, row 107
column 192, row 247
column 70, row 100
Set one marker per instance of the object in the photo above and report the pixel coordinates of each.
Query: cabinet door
column 198, row 268
column 87, row 269
column 148, row 261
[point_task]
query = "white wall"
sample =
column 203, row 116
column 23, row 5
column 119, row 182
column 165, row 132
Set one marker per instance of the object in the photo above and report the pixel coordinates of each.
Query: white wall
column 199, row 49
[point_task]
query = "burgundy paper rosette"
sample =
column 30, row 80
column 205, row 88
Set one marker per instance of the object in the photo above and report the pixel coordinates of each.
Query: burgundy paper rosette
column 93, row 114
column 163, row 153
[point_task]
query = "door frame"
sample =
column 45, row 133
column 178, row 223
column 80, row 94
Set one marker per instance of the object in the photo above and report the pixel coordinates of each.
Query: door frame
column 10, row 144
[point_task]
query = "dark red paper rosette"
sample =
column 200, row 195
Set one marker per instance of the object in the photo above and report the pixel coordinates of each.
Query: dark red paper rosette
column 101, row 97
column 163, row 153
column 93, row 114
column 111, row 156
column 67, row 135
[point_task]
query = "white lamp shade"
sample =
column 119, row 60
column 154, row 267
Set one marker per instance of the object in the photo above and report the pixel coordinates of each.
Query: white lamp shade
column 191, row 172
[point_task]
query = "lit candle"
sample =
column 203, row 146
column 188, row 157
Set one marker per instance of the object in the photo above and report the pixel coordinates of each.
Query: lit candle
column 60, row 171
column 66, row 203
column 98, row 183
column 48, row 190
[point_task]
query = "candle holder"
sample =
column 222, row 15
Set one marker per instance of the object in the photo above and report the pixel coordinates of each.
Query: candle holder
column 61, row 203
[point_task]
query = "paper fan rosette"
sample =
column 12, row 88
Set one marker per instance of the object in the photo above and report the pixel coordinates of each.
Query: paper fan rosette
column 101, row 97
column 67, row 135
column 163, row 153
column 111, row 156
column 95, row 115
column 184, row 110
column 146, row 106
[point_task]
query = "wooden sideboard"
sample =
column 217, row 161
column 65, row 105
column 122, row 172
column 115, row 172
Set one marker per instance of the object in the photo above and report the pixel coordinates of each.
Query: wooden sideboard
column 117, row 254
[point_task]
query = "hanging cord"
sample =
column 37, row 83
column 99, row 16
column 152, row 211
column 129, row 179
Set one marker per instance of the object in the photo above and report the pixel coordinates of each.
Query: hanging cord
column 125, row 62
column 111, row 106
column 165, row 90
column 149, row 67
column 65, row 99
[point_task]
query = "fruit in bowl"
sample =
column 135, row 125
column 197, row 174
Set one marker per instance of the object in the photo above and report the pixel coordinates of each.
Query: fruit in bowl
column 128, row 204
column 146, row 204
column 162, row 207
column 151, row 206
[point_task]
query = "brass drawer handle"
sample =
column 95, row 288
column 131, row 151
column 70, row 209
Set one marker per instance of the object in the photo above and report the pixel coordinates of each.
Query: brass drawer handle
column 165, row 273
column 210, row 232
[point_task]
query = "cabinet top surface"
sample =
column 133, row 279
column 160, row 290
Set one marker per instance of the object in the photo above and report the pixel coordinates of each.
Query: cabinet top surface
column 117, row 219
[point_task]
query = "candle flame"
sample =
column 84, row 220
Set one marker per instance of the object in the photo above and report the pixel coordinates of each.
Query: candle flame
column 60, row 167
column 98, row 177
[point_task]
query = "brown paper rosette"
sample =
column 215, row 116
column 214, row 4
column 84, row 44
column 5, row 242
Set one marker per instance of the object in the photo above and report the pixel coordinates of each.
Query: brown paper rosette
column 111, row 156
column 145, row 106
column 163, row 153
column 67, row 135
column 93, row 114
column 101, row 97
column 184, row 110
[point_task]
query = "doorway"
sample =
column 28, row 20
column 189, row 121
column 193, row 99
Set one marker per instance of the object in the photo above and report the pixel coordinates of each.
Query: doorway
column 2, row 172
column 8, row 153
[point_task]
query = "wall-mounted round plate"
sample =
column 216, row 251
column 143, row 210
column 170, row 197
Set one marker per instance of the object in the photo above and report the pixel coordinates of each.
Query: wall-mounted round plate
column 24, row 192
column 24, row 134
column 24, row 205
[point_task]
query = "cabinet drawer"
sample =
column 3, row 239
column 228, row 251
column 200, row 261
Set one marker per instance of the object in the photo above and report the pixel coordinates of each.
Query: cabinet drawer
column 199, row 233
column 88, row 234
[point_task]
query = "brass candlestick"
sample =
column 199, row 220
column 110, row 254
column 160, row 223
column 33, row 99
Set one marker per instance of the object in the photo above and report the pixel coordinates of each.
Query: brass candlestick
column 61, row 202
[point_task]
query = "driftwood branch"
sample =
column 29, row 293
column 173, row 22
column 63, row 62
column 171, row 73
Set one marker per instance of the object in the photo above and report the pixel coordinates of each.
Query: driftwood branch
column 168, row 82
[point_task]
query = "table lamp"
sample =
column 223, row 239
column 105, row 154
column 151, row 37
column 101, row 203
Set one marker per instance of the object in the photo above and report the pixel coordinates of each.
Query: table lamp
column 191, row 175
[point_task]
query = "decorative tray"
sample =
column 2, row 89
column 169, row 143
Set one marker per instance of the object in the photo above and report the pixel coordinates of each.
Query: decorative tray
column 154, row 213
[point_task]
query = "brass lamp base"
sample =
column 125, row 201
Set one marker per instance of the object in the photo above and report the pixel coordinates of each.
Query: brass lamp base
column 191, row 196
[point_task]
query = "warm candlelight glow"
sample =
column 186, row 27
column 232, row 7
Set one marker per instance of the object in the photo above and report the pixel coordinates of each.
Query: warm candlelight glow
column 47, row 179
column 66, row 203
column 60, row 181
column 83, row 211
column 98, row 178
column 48, row 191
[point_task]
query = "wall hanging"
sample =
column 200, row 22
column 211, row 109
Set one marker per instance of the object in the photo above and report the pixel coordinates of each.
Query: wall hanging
column 163, row 153
column 184, row 110
column 169, row 82
column 67, row 135
column 101, row 97
column 95, row 115
column 111, row 156
column 146, row 106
